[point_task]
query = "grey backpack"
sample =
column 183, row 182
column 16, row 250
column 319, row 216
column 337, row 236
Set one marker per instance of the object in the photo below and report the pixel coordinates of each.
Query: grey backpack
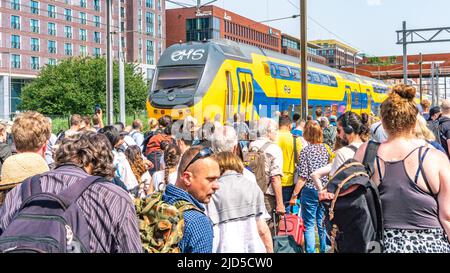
column 47, row 222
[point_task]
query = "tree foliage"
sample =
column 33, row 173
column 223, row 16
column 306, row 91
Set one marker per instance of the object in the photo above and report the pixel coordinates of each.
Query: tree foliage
column 75, row 85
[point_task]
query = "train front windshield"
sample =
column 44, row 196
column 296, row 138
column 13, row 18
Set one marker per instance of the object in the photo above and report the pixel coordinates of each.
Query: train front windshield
column 177, row 77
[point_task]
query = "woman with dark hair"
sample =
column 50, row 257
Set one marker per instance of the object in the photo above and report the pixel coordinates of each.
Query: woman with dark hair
column 134, row 156
column 312, row 157
column 172, row 156
column 413, row 180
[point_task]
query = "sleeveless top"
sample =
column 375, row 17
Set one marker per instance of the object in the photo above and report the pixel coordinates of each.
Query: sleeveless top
column 404, row 204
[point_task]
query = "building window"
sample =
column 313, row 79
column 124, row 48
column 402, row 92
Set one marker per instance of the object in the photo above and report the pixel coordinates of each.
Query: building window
column 140, row 50
column 51, row 61
column 159, row 5
column 51, row 46
column 68, row 49
column 51, row 29
column 149, row 3
column 83, row 3
column 139, row 20
column 15, row 41
column 68, row 31
column 159, row 26
column 159, row 48
column 83, row 18
column 97, row 5
column 97, row 52
column 200, row 29
column 97, row 37
column 83, row 35
column 34, row 44
column 68, row 14
column 149, row 23
column 150, row 55
column 83, row 50
column 34, row 25
column 15, row 4
column 15, row 61
column 97, row 21
column 51, row 11
column 15, row 22
column 35, row 63
column 34, row 7
column 122, row 12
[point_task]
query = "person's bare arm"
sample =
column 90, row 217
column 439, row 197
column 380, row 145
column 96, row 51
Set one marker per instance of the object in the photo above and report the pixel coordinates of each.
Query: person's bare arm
column 276, row 184
column 444, row 193
column 319, row 173
column 264, row 233
column 298, row 187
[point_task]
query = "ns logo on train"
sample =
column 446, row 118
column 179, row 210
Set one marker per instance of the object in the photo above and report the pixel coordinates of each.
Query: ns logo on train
column 192, row 54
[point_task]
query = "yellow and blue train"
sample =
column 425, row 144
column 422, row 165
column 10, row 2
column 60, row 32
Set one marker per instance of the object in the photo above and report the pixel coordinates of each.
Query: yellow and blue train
column 219, row 78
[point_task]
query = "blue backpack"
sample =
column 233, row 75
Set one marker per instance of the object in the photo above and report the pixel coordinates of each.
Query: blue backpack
column 47, row 222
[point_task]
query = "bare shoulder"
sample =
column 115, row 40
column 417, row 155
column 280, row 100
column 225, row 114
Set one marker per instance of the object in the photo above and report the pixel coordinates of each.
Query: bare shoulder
column 359, row 155
column 437, row 159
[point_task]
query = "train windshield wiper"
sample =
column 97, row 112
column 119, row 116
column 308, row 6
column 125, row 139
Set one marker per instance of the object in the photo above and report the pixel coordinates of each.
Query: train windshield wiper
column 171, row 88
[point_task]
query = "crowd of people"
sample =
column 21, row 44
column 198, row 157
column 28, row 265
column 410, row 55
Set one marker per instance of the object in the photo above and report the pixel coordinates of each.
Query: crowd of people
column 207, row 165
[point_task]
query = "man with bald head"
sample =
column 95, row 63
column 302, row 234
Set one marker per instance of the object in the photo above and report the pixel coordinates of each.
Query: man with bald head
column 444, row 126
column 197, row 181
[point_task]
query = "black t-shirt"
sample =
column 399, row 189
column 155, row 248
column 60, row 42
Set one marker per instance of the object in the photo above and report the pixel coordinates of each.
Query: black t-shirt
column 444, row 123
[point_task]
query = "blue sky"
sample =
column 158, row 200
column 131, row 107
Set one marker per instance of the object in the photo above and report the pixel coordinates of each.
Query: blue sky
column 368, row 25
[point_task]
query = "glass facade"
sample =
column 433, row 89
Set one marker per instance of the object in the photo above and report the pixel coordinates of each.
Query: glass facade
column 51, row 11
column 200, row 29
column 150, row 53
column 15, row 22
column 149, row 23
column 16, row 90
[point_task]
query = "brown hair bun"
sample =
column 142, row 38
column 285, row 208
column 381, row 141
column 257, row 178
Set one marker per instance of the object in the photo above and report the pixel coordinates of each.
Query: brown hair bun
column 405, row 91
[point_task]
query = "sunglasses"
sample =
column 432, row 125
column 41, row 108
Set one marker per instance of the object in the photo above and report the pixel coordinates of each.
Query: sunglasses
column 203, row 153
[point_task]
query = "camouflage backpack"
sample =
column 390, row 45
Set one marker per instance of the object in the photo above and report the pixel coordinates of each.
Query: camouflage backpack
column 161, row 225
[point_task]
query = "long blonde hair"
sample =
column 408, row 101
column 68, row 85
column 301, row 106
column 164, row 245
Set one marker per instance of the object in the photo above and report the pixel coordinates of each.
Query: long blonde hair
column 421, row 131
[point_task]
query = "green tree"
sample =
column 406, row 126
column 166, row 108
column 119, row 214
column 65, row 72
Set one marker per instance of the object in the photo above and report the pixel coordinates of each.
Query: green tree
column 75, row 85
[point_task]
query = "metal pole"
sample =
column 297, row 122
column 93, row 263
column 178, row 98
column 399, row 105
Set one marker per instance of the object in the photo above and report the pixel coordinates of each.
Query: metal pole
column 109, row 65
column 445, row 87
column 433, row 99
column 405, row 56
column 420, row 75
column 304, row 52
column 437, row 85
column 121, row 72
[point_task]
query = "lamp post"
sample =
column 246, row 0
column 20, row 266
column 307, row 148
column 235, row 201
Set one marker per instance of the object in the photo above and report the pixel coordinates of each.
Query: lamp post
column 109, row 66
column 303, row 63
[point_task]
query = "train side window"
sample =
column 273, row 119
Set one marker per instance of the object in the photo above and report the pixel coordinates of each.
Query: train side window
column 250, row 92
column 295, row 73
column 310, row 110
column 243, row 92
column 309, row 77
column 316, row 77
column 333, row 81
column 325, row 79
column 284, row 71
column 273, row 70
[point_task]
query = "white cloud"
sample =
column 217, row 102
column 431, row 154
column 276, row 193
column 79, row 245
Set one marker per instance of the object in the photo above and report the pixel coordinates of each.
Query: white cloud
column 374, row 2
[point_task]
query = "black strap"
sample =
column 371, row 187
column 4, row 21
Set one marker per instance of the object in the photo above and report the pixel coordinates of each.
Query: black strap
column 71, row 194
column 369, row 157
column 421, row 169
column 265, row 146
column 31, row 186
column 379, row 212
column 376, row 129
column 353, row 148
column 295, row 151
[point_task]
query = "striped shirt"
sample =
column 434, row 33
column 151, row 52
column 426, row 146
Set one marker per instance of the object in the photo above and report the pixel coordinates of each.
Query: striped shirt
column 108, row 209
column 198, row 229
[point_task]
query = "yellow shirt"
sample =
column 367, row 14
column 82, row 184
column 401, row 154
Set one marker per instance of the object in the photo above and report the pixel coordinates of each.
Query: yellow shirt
column 285, row 141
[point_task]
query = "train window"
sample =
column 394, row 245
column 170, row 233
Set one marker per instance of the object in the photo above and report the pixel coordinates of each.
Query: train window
column 333, row 81
column 178, row 76
column 284, row 71
column 273, row 70
column 250, row 92
column 309, row 77
column 316, row 77
column 295, row 73
column 325, row 79
column 310, row 110
column 243, row 92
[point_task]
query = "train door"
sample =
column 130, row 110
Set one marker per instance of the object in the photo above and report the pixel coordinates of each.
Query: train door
column 246, row 94
column 348, row 92
column 229, row 98
column 369, row 101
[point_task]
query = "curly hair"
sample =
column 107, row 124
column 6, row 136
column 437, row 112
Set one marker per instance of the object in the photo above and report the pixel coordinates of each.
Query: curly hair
column 399, row 111
column 87, row 148
column 134, row 156
column 30, row 131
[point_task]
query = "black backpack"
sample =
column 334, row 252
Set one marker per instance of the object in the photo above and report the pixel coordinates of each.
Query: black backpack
column 47, row 222
column 353, row 219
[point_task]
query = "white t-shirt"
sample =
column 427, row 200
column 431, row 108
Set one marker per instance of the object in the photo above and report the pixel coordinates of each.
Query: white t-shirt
column 124, row 171
column 380, row 134
column 158, row 177
column 342, row 155
column 146, row 179
column 274, row 167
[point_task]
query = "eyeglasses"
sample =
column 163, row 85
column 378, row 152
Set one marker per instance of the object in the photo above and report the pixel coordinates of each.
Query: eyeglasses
column 205, row 152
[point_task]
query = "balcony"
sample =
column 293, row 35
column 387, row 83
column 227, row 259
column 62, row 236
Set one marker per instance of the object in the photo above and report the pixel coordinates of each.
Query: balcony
column 83, row 4
column 34, row 10
column 83, row 21
column 52, row 50
column 69, row 18
column 15, row 45
column 15, row 64
column 35, row 66
column 15, row 25
column 83, row 37
column 52, row 14
column 35, row 29
column 34, row 47
column 15, row 6
column 97, row 40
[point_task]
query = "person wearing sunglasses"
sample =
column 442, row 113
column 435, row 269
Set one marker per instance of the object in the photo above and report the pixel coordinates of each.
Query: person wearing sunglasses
column 197, row 181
